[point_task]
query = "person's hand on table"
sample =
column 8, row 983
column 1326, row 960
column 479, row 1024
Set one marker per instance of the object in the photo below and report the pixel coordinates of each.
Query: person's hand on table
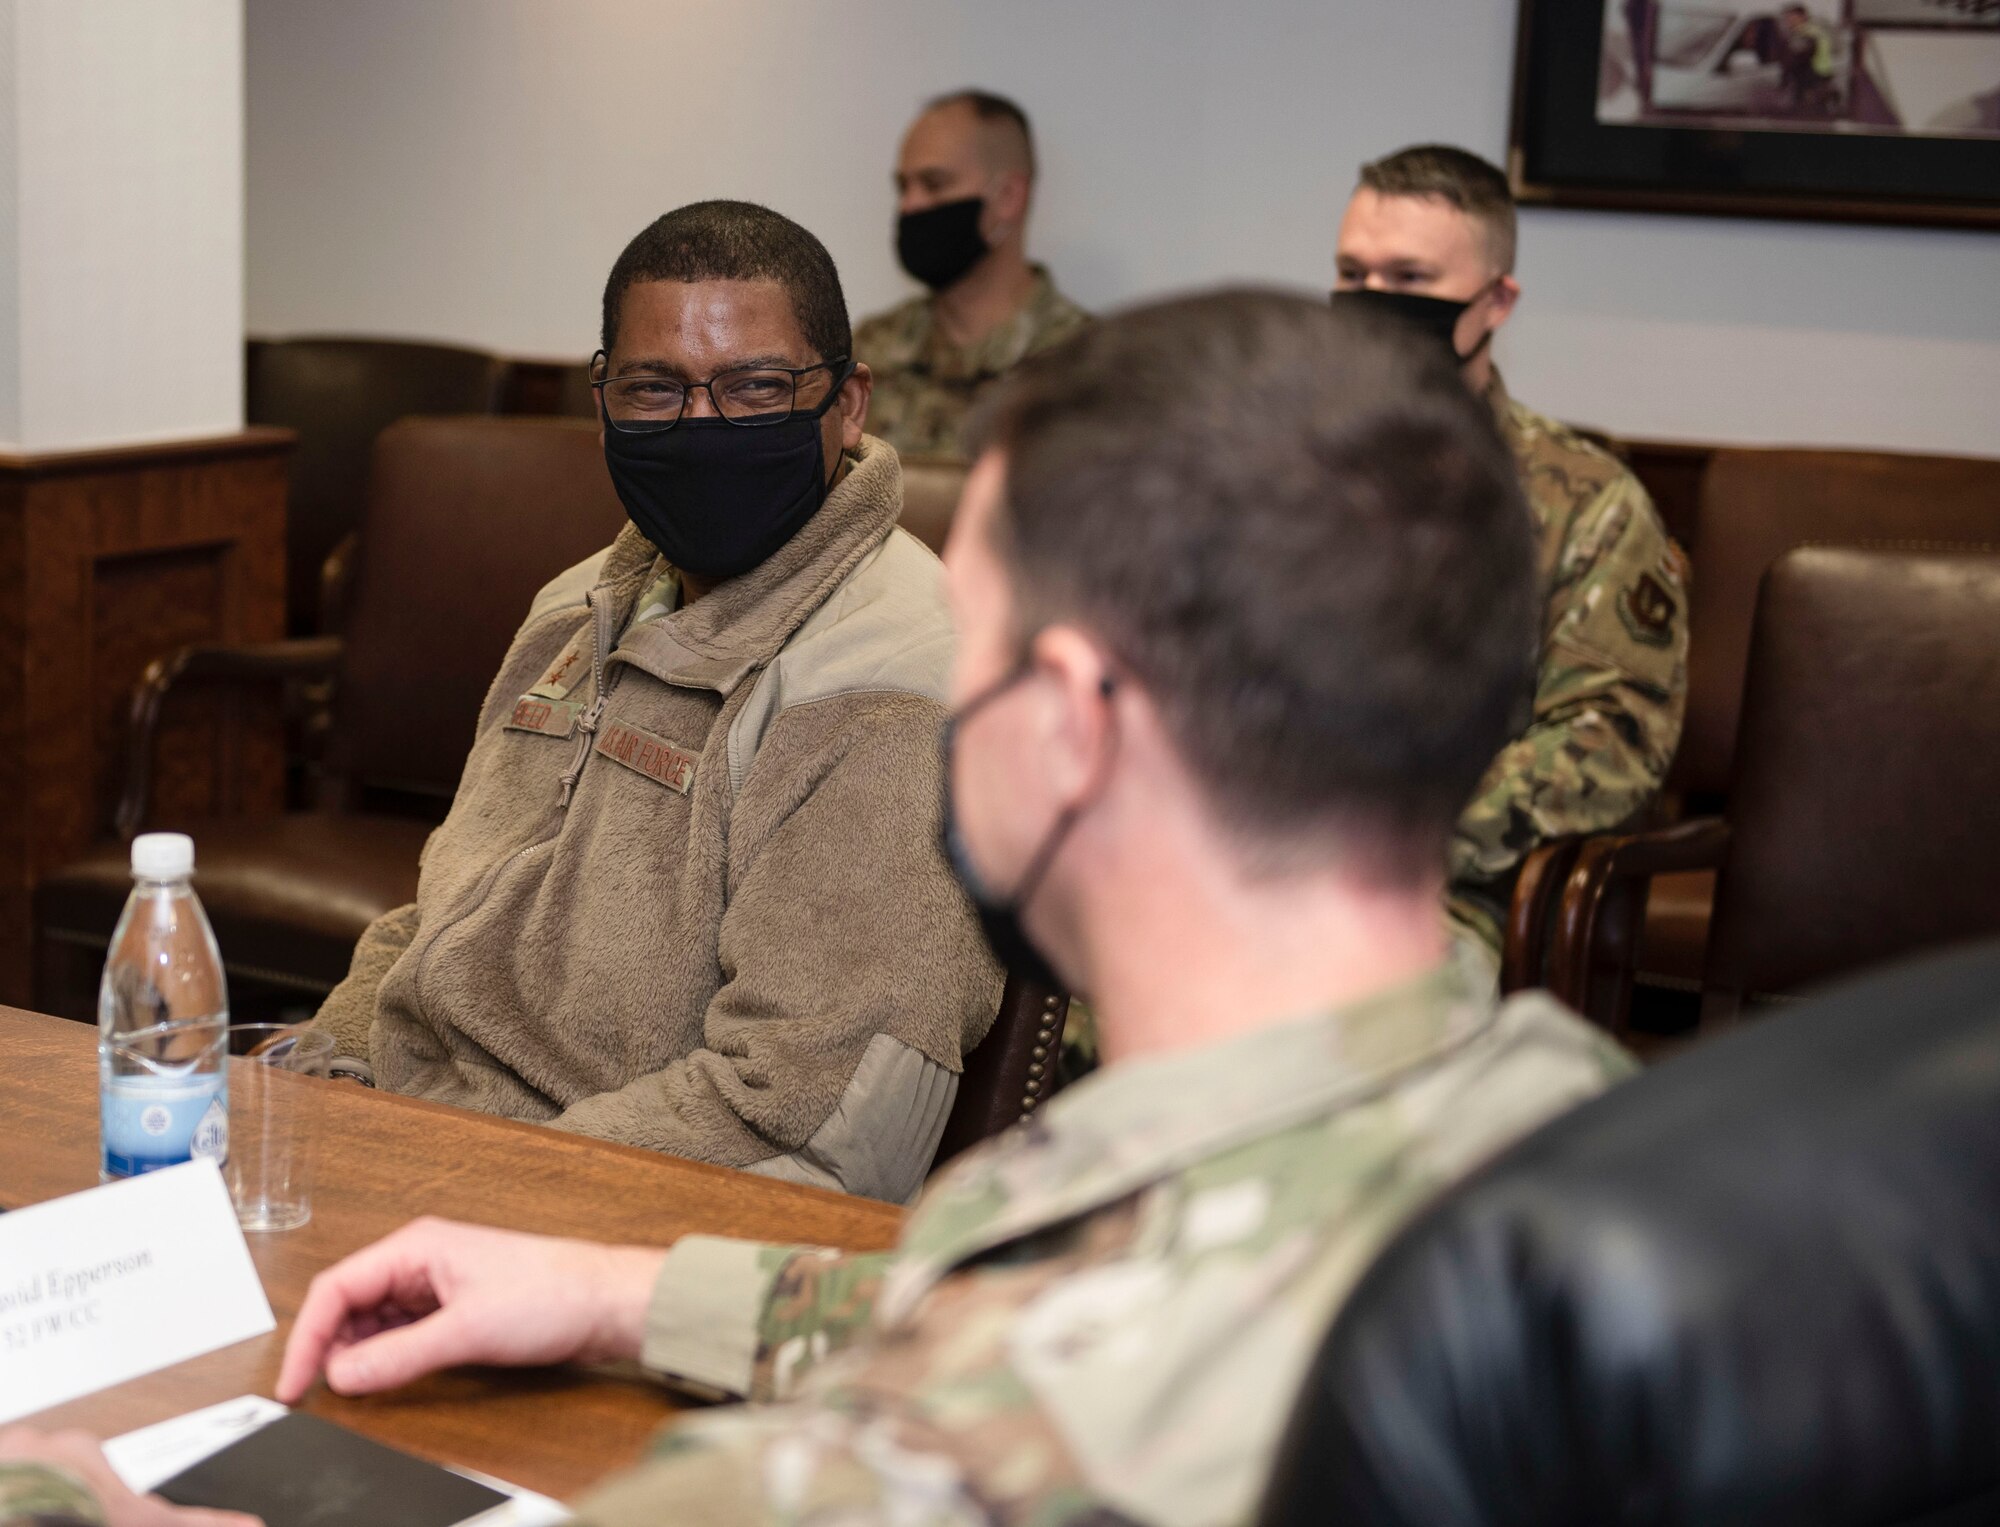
column 79, row 1456
column 437, row 1294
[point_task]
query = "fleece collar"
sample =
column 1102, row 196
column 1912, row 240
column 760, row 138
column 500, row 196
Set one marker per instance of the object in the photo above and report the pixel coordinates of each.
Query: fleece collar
column 743, row 622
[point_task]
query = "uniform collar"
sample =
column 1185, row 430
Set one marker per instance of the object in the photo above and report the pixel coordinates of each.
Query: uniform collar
column 1498, row 399
column 1139, row 1121
column 999, row 350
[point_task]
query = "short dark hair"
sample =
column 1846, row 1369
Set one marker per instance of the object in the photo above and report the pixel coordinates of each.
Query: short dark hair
column 988, row 107
column 737, row 241
column 1469, row 183
column 1304, row 536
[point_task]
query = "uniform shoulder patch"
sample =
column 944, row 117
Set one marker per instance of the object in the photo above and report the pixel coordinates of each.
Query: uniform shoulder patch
column 1646, row 609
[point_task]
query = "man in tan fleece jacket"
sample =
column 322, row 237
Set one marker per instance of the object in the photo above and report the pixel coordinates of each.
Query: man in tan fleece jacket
column 690, row 895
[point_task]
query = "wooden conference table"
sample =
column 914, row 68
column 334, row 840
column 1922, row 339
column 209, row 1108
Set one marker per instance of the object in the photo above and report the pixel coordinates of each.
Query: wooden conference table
column 383, row 1160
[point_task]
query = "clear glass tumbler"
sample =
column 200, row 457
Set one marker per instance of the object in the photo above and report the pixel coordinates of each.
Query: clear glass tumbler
column 275, row 1080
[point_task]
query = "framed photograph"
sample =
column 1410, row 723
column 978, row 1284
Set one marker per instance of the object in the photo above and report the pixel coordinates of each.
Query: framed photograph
column 1871, row 110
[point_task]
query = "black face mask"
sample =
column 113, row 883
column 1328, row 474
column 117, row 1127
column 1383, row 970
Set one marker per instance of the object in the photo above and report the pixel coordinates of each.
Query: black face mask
column 718, row 498
column 1000, row 916
column 942, row 243
column 1436, row 317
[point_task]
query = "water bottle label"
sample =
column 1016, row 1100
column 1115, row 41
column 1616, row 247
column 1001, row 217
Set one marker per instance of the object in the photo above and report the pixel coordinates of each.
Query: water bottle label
column 152, row 1122
column 210, row 1141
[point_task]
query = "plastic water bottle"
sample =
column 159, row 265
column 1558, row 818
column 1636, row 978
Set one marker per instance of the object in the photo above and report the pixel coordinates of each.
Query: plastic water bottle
column 162, row 1022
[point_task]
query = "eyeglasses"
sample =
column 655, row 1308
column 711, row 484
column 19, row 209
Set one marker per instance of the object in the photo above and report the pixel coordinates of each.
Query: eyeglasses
column 646, row 404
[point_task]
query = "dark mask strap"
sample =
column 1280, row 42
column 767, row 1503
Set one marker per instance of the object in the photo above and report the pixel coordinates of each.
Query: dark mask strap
column 832, row 395
column 1045, row 855
column 1486, row 338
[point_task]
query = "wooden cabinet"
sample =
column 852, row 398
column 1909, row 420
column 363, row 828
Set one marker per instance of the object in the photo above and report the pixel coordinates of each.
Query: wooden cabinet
column 108, row 559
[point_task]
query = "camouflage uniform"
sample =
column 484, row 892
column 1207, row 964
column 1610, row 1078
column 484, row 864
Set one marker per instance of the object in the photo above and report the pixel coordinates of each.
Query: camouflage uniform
column 925, row 385
column 1613, row 682
column 1609, row 697
column 34, row 1495
column 1104, row 1315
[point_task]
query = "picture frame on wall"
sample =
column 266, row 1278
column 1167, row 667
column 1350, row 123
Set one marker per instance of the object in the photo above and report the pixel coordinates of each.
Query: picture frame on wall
column 1861, row 110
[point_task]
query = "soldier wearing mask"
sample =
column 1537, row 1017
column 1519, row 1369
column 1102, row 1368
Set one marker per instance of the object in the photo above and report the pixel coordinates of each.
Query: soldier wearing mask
column 964, row 182
column 690, row 895
column 1223, row 807
column 1428, row 237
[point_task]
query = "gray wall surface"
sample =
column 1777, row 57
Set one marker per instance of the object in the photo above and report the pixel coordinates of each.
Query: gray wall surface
column 468, row 170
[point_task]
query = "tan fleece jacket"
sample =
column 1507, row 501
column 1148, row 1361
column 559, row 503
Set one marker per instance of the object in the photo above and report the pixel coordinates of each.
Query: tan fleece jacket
column 689, row 895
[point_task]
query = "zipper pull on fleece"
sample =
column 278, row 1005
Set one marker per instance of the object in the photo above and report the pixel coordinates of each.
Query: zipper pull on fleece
column 600, row 624
column 586, row 726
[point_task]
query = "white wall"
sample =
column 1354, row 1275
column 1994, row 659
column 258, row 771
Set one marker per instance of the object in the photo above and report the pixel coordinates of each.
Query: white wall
column 121, row 220
column 468, row 169
column 10, row 231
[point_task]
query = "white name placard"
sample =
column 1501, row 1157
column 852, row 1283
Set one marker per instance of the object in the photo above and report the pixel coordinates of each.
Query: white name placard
column 105, row 1285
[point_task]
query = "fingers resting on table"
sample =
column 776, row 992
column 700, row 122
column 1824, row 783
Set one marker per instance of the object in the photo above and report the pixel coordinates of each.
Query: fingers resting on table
column 437, row 1294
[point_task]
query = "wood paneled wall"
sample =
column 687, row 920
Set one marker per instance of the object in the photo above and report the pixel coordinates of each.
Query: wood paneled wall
column 109, row 559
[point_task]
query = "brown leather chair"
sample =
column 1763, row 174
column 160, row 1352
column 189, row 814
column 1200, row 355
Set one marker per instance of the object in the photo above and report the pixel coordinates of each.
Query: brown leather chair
column 1011, row 1072
column 547, row 387
column 339, row 394
column 931, row 486
column 1672, row 472
column 466, row 519
column 1862, row 819
column 1751, row 507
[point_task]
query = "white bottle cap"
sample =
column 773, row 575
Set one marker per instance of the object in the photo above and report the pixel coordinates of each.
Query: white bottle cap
column 163, row 856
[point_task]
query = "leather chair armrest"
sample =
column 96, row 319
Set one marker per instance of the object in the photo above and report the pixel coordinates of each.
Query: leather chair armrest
column 1531, row 914
column 1603, row 907
column 248, row 664
column 336, row 582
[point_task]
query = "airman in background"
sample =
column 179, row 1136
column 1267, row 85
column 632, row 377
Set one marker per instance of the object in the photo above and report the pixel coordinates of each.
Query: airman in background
column 964, row 183
column 1429, row 236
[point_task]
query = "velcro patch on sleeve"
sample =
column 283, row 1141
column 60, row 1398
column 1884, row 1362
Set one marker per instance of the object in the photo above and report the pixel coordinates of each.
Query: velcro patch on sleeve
column 643, row 753
column 546, row 718
column 1648, row 612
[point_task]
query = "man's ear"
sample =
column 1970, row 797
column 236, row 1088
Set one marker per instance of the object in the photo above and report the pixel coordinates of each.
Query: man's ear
column 1506, row 293
column 1007, row 204
column 853, row 406
column 1079, row 737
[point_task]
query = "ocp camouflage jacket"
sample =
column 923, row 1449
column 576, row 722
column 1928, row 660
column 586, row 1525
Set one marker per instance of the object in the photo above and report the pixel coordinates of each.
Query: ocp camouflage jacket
column 1612, row 685
column 1105, row 1314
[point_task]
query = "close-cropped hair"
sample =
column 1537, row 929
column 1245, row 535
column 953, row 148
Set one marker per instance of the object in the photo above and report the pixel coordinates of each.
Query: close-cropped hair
column 1304, row 536
column 1463, row 179
column 737, row 241
column 991, row 108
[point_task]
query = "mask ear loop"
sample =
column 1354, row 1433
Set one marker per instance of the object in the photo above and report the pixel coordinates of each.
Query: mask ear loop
column 1045, row 856
column 1485, row 339
column 841, row 376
